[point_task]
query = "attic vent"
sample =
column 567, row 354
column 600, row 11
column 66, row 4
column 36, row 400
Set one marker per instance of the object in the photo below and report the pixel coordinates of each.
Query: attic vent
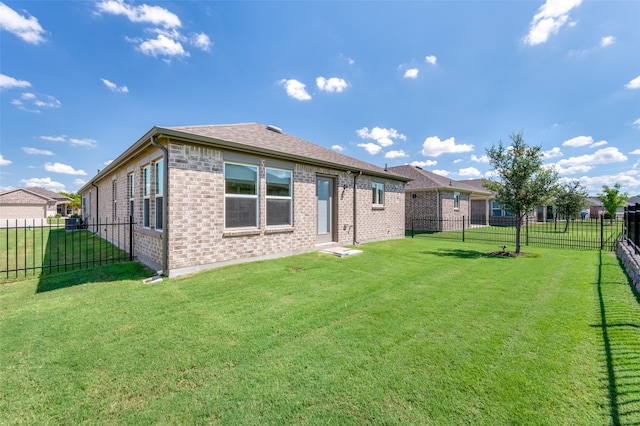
column 274, row 128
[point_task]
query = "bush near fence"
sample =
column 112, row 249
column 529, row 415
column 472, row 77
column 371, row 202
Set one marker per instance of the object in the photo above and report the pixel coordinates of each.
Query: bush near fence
column 580, row 234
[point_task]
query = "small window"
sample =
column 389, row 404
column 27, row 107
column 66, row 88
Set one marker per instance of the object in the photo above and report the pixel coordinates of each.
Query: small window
column 279, row 199
column 456, row 201
column 378, row 193
column 132, row 193
column 114, row 198
column 146, row 192
column 240, row 195
column 159, row 193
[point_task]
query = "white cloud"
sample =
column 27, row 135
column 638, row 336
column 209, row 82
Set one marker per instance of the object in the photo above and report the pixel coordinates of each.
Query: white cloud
column 552, row 153
column 459, row 160
column 83, row 142
column 106, row 163
column 637, row 123
column 579, row 141
column 551, row 16
column 370, row 147
column 607, row 41
column 7, row 82
column 337, row 148
column 62, row 138
column 635, row 152
column 45, row 183
column 162, row 46
column 79, row 182
column 633, row 84
column 35, row 151
column 396, row 154
column 629, row 182
column 295, row 89
column 332, row 84
column 31, row 103
column 381, row 135
column 4, row 161
column 481, row 159
column 423, row 164
column 441, row 172
column 26, row 27
column 114, row 87
column 411, row 73
column 433, row 147
column 596, row 144
column 202, row 41
column 584, row 163
column 431, row 59
column 63, row 168
column 144, row 13
column 469, row 172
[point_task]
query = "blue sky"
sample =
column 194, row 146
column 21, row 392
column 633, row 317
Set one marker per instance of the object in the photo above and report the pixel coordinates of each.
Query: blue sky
column 432, row 83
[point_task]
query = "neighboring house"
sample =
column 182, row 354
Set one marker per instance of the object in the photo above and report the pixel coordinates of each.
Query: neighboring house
column 32, row 203
column 596, row 209
column 205, row 196
column 432, row 200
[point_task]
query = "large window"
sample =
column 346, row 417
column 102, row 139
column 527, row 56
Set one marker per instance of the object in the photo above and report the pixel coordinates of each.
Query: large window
column 279, row 199
column 498, row 210
column 132, row 193
column 146, row 192
column 240, row 195
column 158, row 193
column 378, row 193
column 456, row 201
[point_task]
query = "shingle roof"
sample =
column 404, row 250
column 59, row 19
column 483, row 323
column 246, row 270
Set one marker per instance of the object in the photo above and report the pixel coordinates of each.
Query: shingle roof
column 257, row 137
column 50, row 194
column 424, row 179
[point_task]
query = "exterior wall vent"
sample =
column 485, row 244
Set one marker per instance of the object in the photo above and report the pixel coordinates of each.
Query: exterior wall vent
column 274, row 128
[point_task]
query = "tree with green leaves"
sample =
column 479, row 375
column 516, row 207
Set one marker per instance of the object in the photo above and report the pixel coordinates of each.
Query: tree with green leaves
column 76, row 200
column 522, row 182
column 612, row 199
column 571, row 198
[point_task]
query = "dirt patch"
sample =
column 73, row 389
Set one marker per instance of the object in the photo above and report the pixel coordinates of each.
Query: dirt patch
column 510, row 254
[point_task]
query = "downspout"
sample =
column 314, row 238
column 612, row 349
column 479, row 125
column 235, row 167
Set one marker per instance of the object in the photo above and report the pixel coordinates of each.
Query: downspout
column 355, row 209
column 165, row 204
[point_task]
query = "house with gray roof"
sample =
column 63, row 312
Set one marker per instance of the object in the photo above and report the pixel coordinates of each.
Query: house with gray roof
column 206, row 196
column 32, row 203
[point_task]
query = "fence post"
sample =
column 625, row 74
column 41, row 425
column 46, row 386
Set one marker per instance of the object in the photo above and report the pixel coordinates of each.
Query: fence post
column 412, row 218
column 601, row 232
column 636, row 230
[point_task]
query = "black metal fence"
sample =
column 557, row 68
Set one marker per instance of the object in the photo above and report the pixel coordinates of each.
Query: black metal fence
column 35, row 246
column 632, row 226
column 589, row 234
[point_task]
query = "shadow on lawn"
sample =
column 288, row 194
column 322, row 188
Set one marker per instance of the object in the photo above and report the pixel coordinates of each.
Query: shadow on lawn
column 462, row 254
column 107, row 273
column 621, row 350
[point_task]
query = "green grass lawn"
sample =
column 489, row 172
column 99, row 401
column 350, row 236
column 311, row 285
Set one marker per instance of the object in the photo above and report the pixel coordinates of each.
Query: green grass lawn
column 413, row 331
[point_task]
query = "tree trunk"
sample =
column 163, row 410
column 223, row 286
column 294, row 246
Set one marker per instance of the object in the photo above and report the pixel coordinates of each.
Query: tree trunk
column 566, row 225
column 518, row 228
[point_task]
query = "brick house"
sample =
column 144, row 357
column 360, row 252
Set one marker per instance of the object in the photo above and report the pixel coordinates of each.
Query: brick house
column 437, row 203
column 32, row 203
column 206, row 196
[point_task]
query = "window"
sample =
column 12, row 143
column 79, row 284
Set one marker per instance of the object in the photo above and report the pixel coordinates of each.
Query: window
column 498, row 210
column 279, row 200
column 146, row 192
column 378, row 193
column 159, row 192
column 114, row 198
column 132, row 193
column 456, row 201
column 240, row 195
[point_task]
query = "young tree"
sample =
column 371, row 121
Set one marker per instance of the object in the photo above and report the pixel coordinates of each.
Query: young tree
column 522, row 180
column 76, row 200
column 571, row 198
column 612, row 199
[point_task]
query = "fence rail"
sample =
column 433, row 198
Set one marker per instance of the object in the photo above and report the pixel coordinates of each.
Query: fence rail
column 632, row 226
column 34, row 246
column 589, row 234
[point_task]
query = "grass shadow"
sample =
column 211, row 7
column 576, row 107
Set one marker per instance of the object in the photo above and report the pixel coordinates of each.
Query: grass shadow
column 462, row 254
column 107, row 273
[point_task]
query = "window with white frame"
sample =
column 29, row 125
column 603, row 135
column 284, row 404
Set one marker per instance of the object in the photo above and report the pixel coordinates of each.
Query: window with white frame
column 132, row 193
column 114, row 199
column 498, row 210
column 146, row 193
column 240, row 195
column 279, row 197
column 378, row 193
column 456, row 201
column 159, row 192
